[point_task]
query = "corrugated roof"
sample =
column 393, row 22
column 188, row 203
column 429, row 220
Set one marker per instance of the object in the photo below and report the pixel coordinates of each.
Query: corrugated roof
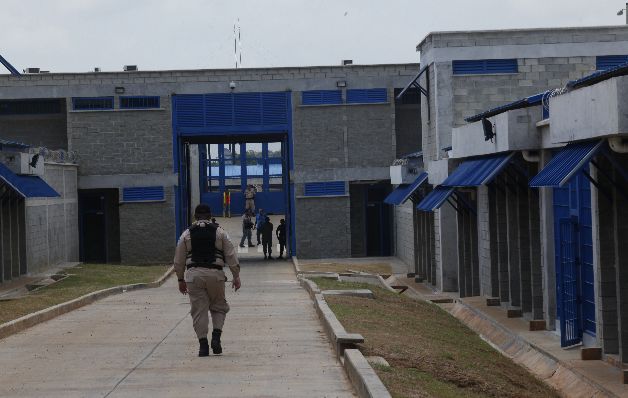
column 479, row 171
column 403, row 192
column 566, row 163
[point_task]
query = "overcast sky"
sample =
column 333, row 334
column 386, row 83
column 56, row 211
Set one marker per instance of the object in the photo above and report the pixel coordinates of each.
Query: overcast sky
column 78, row 35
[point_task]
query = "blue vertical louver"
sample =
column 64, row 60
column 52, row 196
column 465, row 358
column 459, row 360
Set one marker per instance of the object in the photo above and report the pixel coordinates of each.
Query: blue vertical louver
column 143, row 194
column 232, row 111
column 484, row 66
column 321, row 97
column 367, row 96
column 606, row 62
column 328, row 188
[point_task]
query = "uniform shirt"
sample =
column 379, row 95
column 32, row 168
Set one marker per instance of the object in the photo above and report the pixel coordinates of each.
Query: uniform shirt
column 249, row 193
column 281, row 232
column 184, row 246
column 260, row 219
column 267, row 231
column 245, row 218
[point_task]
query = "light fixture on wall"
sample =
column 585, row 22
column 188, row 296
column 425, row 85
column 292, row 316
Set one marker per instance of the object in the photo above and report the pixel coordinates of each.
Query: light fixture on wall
column 119, row 90
column 341, row 83
column 232, row 85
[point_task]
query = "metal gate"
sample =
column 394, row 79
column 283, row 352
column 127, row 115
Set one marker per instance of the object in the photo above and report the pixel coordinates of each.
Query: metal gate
column 569, row 284
column 575, row 306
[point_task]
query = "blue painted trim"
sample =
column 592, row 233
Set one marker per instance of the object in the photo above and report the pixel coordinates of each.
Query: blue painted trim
column 367, row 96
column 10, row 67
column 147, row 99
column 527, row 102
column 76, row 100
column 484, row 66
column 143, row 194
column 321, row 97
column 327, row 188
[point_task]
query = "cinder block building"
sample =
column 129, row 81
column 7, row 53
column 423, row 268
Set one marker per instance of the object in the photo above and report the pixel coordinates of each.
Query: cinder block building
column 318, row 142
column 524, row 153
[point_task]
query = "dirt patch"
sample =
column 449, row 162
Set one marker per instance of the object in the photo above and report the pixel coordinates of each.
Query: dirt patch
column 371, row 268
column 431, row 354
column 82, row 280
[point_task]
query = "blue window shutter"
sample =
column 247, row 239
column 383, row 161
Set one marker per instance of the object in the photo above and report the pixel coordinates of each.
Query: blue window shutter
column 606, row 62
column 189, row 111
column 275, row 108
column 139, row 102
column 247, row 108
column 92, row 103
column 484, row 66
column 328, row 188
column 321, row 97
column 218, row 109
column 367, row 96
column 143, row 194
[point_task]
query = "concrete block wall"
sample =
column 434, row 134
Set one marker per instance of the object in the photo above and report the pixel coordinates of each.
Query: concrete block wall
column 48, row 131
column 147, row 230
column 484, row 241
column 52, row 223
column 404, row 234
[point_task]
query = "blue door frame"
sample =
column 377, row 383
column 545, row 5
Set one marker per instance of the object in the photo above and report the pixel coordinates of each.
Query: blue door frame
column 231, row 117
column 574, row 260
column 271, row 201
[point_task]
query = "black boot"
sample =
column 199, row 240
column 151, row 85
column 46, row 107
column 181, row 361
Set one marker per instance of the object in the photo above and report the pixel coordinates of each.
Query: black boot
column 203, row 347
column 216, row 347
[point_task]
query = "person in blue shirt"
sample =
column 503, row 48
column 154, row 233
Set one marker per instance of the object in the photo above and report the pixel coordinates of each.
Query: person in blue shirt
column 260, row 219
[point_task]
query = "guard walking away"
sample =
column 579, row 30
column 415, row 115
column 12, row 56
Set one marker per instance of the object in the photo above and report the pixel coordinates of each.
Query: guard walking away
column 202, row 252
column 267, row 238
column 281, row 237
column 247, row 228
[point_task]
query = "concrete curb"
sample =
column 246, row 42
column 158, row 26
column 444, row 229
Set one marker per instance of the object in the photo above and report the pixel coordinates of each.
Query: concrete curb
column 27, row 321
column 295, row 264
column 559, row 375
column 363, row 377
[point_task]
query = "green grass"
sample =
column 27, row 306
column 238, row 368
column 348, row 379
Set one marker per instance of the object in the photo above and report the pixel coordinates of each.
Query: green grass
column 83, row 279
column 431, row 353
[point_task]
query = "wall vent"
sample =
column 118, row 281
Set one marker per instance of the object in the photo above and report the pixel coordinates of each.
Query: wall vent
column 130, row 68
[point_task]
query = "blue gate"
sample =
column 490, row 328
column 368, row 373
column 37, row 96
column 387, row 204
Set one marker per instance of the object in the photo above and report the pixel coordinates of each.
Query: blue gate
column 569, row 283
column 234, row 118
column 574, row 260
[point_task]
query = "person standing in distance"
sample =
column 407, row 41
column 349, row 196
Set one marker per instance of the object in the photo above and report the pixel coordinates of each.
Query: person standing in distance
column 249, row 196
column 247, row 227
column 201, row 254
column 267, row 238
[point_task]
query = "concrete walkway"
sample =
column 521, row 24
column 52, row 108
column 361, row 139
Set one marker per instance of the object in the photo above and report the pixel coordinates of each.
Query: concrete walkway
column 141, row 344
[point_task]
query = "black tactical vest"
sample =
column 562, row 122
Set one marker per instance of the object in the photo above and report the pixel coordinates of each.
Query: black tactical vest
column 203, row 239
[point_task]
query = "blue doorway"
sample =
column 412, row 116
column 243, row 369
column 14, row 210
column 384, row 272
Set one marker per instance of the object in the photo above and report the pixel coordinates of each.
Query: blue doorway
column 227, row 169
column 232, row 122
column 574, row 260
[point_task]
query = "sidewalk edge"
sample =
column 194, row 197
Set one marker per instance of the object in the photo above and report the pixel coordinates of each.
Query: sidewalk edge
column 17, row 325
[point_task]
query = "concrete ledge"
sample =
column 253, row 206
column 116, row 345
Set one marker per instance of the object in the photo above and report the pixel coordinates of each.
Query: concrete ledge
column 334, row 329
column 362, row 293
column 310, row 287
column 375, row 280
column 564, row 378
column 363, row 377
column 27, row 321
column 295, row 264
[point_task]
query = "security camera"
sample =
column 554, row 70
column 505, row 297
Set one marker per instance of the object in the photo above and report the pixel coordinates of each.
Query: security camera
column 232, row 85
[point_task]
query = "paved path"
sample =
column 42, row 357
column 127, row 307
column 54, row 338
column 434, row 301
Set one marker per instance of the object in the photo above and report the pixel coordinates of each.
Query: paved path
column 141, row 344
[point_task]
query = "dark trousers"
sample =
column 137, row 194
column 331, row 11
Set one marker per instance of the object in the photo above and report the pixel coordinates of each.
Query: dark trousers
column 267, row 247
column 282, row 246
column 259, row 235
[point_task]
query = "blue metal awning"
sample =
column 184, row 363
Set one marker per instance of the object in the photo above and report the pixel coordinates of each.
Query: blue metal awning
column 27, row 186
column 566, row 163
column 435, row 199
column 594, row 78
column 527, row 102
column 403, row 192
column 480, row 171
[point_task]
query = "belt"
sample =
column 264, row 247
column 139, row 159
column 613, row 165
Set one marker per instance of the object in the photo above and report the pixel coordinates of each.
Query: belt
column 200, row 265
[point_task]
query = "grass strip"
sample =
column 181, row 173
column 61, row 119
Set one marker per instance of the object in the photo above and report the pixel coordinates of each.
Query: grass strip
column 82, row 279
column 431, row 353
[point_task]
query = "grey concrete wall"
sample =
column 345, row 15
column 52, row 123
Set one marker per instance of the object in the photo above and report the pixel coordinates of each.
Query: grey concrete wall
column 147, row 231
column 404, row 234
column 323, row 226
column 52, row 223
column 484, row 242
column 49, row 131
